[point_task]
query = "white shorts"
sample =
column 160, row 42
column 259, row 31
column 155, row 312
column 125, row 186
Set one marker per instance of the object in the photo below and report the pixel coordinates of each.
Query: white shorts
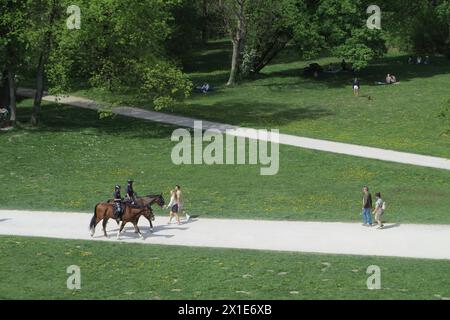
column 355, row 88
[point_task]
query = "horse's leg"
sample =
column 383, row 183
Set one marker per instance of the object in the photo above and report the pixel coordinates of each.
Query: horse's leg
column 120, row 230
column 137, row 230
column 105, row 222
column 151, row 224
column 94, row 221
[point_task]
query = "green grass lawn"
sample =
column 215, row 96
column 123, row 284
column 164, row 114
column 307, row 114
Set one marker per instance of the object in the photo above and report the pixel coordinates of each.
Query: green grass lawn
column 401, row 117
column 72, row 161
column 33, row 268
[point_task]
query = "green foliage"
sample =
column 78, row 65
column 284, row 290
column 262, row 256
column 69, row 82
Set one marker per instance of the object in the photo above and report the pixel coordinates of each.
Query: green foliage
column 421, row 26
column 166, row 85
column 186, row 30
column 13, row 37
column 363, row 46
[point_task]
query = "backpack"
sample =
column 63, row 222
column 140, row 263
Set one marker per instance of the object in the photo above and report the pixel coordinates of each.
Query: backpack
column 384, row 206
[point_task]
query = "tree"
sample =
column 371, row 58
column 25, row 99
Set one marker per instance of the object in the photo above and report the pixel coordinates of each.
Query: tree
column 46, row 22
column 234, row 15
column 110, row 53
column 344, row 30
column 13, row 21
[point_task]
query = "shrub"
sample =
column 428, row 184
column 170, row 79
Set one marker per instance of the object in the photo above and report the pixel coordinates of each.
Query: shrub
column 165, row 85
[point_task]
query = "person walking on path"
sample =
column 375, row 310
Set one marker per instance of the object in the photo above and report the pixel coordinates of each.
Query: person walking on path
column 173, row 206
column 379, row 210
column 180, row 202
column 367, row 207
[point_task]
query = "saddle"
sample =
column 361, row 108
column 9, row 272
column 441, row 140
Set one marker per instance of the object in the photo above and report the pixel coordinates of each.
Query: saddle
column 117, row 210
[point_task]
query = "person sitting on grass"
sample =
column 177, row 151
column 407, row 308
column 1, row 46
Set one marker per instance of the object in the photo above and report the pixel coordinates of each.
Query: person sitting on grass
column 4, row 113
column 391, row 79
column 3, row 110
column 205, row 88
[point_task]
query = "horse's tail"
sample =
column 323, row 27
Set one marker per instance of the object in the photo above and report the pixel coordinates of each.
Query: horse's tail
column 93, row 221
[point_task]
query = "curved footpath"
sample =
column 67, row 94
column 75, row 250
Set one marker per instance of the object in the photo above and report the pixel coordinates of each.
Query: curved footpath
column 409, row 240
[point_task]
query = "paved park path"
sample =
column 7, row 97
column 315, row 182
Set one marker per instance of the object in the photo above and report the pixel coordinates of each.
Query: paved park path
column 413, row 241
column 285, row 139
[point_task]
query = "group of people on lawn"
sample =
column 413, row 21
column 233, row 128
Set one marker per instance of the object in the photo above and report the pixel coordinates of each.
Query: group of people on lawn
column 356, row 84
column 175, row 205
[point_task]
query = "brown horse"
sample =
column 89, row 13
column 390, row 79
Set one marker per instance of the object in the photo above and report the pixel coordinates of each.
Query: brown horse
column 148, row 201
column 105, row 211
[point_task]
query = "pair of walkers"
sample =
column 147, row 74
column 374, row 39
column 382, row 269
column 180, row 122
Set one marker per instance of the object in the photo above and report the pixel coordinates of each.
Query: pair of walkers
column 176, row 205
column 378, row 212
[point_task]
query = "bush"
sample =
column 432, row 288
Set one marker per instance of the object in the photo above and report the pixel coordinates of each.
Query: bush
column 165, row 85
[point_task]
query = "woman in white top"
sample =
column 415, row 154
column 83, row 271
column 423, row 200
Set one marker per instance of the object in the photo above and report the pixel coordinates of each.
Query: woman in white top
column 379, row 210
column 173, row 206
column 180, row 202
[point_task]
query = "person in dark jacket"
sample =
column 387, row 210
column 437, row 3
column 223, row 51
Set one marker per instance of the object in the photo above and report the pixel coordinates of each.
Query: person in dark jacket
column 131, row 195
column 118, row 202
column 367, row 207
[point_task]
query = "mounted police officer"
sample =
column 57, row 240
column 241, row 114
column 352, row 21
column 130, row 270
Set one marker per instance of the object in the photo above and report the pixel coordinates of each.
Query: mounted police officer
column 131, row 195
column 118, row 202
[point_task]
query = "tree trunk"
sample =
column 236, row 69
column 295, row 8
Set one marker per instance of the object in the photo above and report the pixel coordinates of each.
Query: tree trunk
column 12, row 96
column 39, row 91
column 238, row 38
column 205, row 30
column 4, row 90
column 235, row 62
column 271, row 52
column 46, row 47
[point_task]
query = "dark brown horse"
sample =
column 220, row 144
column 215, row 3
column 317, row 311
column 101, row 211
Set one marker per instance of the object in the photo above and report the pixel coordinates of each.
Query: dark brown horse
column 148, row 201
column 105, row 211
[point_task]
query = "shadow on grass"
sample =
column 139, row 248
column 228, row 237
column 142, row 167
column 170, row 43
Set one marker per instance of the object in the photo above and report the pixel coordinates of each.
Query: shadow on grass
column 375, row 72
column 211, row 57
column 254, row 113
column 61, row 118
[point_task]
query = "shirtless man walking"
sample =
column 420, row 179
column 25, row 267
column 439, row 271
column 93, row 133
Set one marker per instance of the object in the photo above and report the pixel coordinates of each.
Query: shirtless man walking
column 180, row 202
